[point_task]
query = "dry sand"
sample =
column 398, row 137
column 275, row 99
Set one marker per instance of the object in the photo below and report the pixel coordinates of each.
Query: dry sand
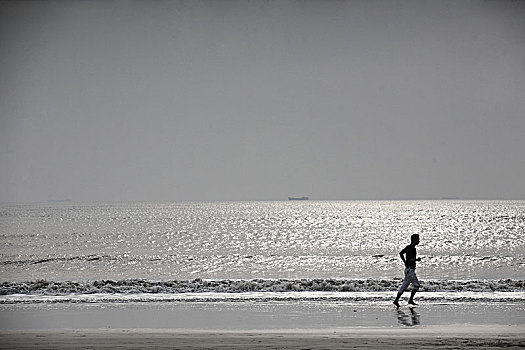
column 442, row 337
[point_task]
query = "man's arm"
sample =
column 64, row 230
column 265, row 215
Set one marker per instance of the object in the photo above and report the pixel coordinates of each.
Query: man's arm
column 402, row 255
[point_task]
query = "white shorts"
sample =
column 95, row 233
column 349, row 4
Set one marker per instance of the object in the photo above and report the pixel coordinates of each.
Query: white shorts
column 410, row 277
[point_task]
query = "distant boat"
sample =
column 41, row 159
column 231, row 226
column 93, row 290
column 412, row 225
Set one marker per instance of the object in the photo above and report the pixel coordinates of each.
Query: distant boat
column 297, row 198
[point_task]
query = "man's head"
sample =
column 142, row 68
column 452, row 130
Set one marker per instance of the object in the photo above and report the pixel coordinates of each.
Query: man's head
column 414, row 239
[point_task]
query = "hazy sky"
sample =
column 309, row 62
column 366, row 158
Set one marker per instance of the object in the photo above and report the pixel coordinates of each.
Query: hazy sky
column 226, row 100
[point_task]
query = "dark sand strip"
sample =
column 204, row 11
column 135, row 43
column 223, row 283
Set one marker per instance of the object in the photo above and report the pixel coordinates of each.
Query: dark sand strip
column 334, row 339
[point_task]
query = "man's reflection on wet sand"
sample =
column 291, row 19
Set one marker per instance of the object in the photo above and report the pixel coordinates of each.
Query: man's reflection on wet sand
column 413, row 319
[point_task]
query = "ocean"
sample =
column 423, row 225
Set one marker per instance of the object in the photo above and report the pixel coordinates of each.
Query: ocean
column 292, row 251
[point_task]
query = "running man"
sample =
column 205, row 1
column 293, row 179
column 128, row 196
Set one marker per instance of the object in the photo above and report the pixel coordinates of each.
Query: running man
column 410, row 269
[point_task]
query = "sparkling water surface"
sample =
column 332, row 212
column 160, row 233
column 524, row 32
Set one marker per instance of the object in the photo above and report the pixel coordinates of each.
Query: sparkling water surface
column 245, row 240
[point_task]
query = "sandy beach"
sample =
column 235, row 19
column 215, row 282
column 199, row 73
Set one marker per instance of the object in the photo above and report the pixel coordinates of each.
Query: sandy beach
column 260, row 326
column 442, row 337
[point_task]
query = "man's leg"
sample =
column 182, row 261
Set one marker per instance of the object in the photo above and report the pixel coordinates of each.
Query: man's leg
column 411, row 300
column 403, row 287
column 396, row 301
column 415, row 287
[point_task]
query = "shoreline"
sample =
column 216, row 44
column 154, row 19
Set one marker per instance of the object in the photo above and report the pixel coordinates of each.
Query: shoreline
column 428, row 337
column 249, row 315
column 261, row 326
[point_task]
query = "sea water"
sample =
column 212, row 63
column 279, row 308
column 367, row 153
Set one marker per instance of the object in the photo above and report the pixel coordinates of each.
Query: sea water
column 335, row 251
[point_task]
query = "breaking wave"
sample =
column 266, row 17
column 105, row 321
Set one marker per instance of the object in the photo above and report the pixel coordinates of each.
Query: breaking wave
column 139, row 286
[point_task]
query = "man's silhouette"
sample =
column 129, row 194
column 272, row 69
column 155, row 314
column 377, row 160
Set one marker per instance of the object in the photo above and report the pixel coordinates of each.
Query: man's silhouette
column 410, row 269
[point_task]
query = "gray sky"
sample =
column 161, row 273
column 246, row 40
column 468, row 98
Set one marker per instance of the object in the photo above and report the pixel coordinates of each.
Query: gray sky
column 227, row 100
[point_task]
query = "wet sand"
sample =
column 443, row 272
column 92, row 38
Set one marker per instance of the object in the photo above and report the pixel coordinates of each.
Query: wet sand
column 261, row 326
column 435, row 337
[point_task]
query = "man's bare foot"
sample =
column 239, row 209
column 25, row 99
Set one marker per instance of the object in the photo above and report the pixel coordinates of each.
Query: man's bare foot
column 396, row 303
